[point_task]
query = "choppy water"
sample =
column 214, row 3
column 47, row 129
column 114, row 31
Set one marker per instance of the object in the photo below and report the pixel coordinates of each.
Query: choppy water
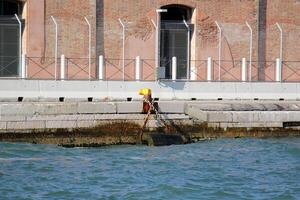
column 220, row 169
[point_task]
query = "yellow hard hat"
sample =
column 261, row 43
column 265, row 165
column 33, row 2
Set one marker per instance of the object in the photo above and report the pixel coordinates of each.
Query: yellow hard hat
column 145, row 91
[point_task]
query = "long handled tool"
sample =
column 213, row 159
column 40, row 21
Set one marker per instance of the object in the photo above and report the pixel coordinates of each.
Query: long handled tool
column 158, row 117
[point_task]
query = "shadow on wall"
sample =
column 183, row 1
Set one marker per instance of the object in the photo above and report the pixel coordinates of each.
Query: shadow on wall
column 178, row 85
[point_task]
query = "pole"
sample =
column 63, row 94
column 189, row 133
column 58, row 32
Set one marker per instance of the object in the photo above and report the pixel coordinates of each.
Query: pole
column 278, row 70
column 244, row 70
column 156, row 45
column 220, row 47
column 101, row 67
column 20, row 44
column 23, row 73
column 188, row 50
column 123, row 49
column 62, row 67
column 138, row 68
column 209, row 69
column 174, row 69
column 250, row 51
column 90, row 45
column 56, row 46
column 281, row 41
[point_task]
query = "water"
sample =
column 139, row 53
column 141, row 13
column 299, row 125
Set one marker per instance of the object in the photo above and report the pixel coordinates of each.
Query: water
column 219, row 169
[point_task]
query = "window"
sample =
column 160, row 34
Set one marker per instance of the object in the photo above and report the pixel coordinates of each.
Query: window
column 9, row 7
column 174, row 39
column 9, row 38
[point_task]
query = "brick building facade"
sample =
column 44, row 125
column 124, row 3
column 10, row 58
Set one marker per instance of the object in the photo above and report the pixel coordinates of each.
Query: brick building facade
column 140, row 19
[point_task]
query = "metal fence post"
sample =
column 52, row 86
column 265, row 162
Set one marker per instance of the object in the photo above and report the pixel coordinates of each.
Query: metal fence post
column 174, row 68
column 278, row 70
column 209, row 69
column 62, row 67
column 138, row 68
column 194, row 73
column 281, row 42
column 56, row 47
column 101, row 67
column 244, row 70
column 123, row 48
column 188, row 51
column 20, row 44
column 23, row 66
column 90, row 45
column 220, row 47
column 250, row 51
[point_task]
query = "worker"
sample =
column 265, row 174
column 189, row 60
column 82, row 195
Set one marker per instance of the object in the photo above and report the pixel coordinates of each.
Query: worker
column 147, row 94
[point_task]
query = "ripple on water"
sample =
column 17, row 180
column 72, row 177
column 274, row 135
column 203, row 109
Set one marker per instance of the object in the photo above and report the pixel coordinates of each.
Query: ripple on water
column 220, row 169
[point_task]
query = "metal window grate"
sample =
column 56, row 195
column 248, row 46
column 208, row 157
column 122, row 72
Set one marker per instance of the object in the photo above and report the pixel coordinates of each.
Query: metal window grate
column 9, row 49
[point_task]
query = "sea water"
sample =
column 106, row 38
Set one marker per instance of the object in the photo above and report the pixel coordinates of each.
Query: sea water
column 217, row 169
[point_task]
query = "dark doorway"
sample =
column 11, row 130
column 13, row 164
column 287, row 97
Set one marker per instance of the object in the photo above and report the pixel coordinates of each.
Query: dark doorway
column 9, row 38
column 174, row 39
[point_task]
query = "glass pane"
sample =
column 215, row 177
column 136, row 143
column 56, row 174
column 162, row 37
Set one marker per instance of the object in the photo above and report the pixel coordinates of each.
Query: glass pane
column 9, row 50
column 8, row 8
column 174, row 43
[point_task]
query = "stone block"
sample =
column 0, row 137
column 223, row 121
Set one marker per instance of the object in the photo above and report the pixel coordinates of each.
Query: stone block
column 97, row 108
column 20, row 109
column 120, row 117
column 212, row 106
column 251, row 125
column 52, row 117
column 25, row 125
column 247, row 116
column 2, row 125
column 86, row 123
column 177, row 107
column 56, row 108
column 216, row 116
column 14, row 118
column 129, row 107
column 175, row 116
column 273, row 116
column 61, row 124
column 195, row 113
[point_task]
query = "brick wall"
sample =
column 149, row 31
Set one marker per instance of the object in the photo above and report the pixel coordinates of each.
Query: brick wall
column 140, row 33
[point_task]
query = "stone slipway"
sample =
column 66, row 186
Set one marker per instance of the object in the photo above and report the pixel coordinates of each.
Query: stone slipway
column 76, row 123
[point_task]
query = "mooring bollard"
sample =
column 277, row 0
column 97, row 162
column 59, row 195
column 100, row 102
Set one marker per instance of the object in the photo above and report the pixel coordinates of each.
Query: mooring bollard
column 23, row 66
column 174, row 68
column 193, row 73
column 278, row 70
column 244, row 70
column 137, row 68
column 62, row 67
column 209, row 69
column 101, row 67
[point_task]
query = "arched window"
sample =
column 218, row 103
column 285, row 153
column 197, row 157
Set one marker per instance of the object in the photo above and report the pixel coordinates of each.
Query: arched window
column 175, row 38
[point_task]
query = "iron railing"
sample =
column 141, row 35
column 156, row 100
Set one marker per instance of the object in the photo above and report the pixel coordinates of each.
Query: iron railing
column 47, row 68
